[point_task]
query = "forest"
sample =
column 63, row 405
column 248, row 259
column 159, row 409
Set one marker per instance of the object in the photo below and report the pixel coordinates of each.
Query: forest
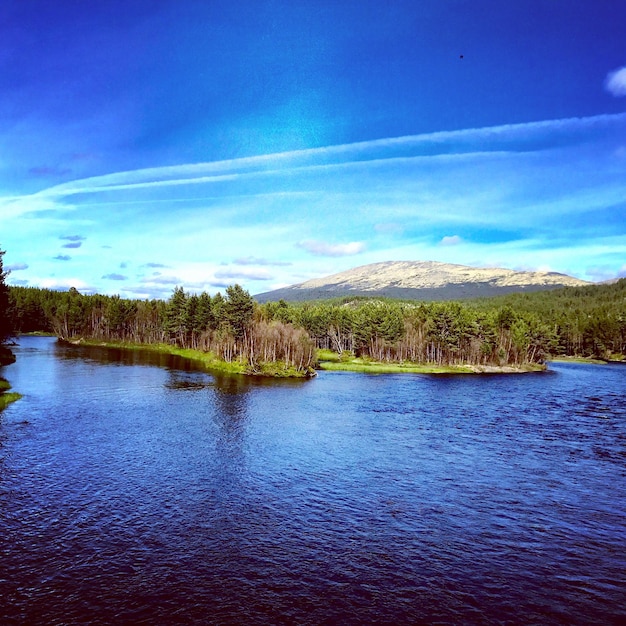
column 513, row 330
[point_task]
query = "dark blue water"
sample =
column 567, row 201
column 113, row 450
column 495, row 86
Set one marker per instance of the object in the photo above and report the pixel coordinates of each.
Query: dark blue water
column 135, row 491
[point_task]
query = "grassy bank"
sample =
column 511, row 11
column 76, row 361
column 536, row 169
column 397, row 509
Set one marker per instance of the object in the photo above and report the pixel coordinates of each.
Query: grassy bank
column 5, row 397
column 329, row 360
column 206, row 360
column 616, row 358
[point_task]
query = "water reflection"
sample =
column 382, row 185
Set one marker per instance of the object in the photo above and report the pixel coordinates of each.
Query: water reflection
column 121, row 356
column 230, row 405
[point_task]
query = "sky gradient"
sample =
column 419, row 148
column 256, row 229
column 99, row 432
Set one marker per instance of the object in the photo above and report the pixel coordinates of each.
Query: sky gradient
column 145, row 145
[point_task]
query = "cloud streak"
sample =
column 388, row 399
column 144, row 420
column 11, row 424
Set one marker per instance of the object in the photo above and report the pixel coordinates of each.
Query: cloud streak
column 243, row 273
column 251, row 260
column 322, row 248
column 452, row 240
column 448, row 144
column 114, row 277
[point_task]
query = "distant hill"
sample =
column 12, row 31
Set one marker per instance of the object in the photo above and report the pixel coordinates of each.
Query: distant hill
column 420, row 280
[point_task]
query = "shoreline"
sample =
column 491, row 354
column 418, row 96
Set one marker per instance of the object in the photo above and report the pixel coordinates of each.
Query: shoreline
column 331, row 361
column 206, row 359
column 7, row 397
column 587, row 359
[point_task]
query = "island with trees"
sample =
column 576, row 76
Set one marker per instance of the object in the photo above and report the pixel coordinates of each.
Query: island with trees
column 515, row 333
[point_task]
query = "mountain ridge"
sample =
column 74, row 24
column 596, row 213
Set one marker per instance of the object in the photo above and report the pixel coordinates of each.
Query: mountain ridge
column 421, row 280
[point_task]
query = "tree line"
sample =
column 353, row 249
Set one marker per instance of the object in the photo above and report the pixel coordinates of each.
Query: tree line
column 227, row 325
column 511, row 330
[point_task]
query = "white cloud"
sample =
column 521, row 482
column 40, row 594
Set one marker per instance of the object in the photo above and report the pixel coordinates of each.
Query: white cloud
column 252, row 260
column 244, row 272
column 452, row 240
column 615, row 82
column 322, row 248
column 163, row 280
column 115, row 277
column 62, row 284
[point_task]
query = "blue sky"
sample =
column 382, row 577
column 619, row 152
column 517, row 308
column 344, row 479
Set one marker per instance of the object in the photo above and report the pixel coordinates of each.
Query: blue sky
column 149, row 144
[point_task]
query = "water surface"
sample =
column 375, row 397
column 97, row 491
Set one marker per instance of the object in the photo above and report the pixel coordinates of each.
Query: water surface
column 135, row 489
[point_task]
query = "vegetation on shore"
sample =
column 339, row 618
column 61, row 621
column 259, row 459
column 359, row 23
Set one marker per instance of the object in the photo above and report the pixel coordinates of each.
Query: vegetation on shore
column 614, row 358
column 206, row 360
column 513, row 333
column 7, row 397
column 333, row 361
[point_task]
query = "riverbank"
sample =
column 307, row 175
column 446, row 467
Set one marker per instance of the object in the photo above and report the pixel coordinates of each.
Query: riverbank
column 207, row 360
column 6, row 356
column 332, row 361
column 618, row 358
column 5, row 397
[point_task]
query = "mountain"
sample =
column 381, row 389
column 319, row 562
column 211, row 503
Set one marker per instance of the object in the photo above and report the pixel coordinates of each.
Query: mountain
column 420, row 280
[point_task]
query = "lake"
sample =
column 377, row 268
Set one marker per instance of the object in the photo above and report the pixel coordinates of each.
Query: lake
column 135, row 489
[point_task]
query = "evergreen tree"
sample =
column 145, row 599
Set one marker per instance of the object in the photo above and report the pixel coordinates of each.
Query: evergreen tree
column 239, row 310
column 204, row 313
column 5, row 317
column 175, row 316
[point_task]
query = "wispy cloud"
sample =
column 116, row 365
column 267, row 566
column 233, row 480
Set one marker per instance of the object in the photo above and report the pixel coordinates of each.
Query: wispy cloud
column 252, row 260
column 244, row 273
column 163, row 280
column 73, row 244
column 63, row 284
column 62, row 257
column 16, row 267
column 115, row 277
column 323, row 248
column 452, row 240
column 73, row 237
column 615, row 82
column 446, row 144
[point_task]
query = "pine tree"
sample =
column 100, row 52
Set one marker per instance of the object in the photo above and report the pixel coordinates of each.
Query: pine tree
column 6, row 326
column 239, row 310
column 5, row 319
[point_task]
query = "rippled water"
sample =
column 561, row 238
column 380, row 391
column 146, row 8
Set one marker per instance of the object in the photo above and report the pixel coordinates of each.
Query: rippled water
column 133, row 490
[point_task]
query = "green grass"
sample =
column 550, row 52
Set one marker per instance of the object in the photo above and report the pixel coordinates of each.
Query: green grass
column 7, row 398
column 331, row 361
column 576, row 359
column 207, row 359
column 615, row 358
column 392, row 368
